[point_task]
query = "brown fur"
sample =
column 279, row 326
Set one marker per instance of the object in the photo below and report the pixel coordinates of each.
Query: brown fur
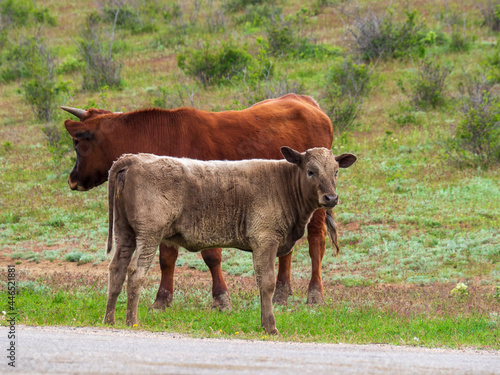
column 261, row 206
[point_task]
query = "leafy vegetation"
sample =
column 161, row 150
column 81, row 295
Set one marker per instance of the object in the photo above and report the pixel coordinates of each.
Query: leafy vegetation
column 420, row 209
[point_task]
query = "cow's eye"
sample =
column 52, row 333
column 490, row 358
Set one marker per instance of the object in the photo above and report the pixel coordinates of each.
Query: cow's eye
column 310, row 173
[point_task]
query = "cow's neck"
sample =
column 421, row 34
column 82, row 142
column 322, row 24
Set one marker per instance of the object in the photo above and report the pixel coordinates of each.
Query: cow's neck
column 149, row 131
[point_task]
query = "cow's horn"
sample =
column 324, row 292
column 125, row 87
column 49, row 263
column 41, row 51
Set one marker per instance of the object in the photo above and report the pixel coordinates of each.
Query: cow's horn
column 75, row 111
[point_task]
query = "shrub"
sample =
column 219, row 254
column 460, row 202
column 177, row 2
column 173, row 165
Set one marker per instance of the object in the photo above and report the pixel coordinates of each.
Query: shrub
column 346, row 85
column 24, row 12
column 493, row 64
column 237, row 5
column 286, row 37
column 214, row 67
column 428, row 84
column 491, row 14
column 258, row 14
column 476, row 141
column 180, row 95
column 40, row 89
column 376, row 36
column 101, row 69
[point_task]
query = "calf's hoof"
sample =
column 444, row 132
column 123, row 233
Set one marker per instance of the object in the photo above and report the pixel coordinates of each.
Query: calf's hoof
column 222, row 303
column 281, row 294
column 272, row 331
column 314, row 297
column 109, row 319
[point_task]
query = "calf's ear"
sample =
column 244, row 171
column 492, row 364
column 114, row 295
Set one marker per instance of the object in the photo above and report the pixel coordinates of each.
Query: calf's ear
column 291, row 155
column 345, row 160
column 78, row 130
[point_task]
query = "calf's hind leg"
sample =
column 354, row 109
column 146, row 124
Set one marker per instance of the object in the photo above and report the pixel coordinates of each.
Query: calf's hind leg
column 117, row 270
column 137, row 271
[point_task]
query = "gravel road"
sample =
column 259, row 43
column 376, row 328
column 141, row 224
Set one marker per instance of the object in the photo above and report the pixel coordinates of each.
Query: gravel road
column 66, row 350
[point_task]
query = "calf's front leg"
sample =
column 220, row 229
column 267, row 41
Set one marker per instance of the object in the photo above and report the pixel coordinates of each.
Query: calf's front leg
column 264, row 257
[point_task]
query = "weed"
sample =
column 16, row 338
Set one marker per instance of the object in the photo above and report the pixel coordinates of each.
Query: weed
column 376, row 35
column 180, row 95
column 461, row 291
column 491, row 14
column 427, row 87
column 346, row 85
column 101, row 68
column 476, row 140
column 214, row 67
column 23, row 13
column 74, row 256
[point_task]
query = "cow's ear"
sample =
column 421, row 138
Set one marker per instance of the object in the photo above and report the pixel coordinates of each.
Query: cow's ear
column 78, row 130
column 346, row 160
column 291, row 155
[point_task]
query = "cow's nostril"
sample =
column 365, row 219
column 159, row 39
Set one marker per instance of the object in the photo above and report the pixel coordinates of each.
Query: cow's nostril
column 331, row 199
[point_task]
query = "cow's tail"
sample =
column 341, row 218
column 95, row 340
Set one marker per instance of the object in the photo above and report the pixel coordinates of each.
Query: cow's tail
column 116, row 181
column 332, row 230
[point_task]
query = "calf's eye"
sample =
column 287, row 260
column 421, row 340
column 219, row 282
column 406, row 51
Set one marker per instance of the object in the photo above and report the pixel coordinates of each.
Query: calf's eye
column 310, row 173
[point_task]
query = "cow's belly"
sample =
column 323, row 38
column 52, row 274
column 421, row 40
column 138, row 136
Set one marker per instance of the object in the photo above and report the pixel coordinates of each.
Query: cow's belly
column 195, row 243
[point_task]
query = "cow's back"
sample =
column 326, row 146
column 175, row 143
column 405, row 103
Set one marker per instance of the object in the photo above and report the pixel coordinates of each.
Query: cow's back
column 202, row 204
column 259, row 131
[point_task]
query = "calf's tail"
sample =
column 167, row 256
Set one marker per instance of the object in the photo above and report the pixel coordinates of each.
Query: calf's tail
column 116, row 180
column 332, row 230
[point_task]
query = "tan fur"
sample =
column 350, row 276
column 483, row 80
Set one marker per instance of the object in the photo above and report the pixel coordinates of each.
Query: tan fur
column 260, row 206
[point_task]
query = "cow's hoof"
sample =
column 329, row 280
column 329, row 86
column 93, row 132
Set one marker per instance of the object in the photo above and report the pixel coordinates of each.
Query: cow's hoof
column 110, row 320
column 160, row 305
column 222, row 303
column 272, row 331
column 314, row 297
column 281, row 294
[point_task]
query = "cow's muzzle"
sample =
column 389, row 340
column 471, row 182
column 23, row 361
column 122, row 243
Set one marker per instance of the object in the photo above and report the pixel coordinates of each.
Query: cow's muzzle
column 329, row 200
column 75, row 186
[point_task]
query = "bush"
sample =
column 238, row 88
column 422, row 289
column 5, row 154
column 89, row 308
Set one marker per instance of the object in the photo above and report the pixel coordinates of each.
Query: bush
column 476, row 141
column 258, row 14
column 40, row 88
column 214, row 67
column 101, row 69
column 376, row 36
column 180, row 95
column 346, row 85
column 493, row 64
column 428, row 85
column 286, row 37
column 237, row 5
column 23, row 12
column 491, row 14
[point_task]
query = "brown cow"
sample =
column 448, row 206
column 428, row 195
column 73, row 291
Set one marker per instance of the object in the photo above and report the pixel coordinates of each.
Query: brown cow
column 257, row 132
column 261, row 206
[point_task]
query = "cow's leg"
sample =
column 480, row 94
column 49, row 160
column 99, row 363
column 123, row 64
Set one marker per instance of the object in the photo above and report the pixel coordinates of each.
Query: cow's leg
column 264, row 258
column 213, row 259
column 117, row 269
column 168, row 257
column 283, row 280
column 137, row 271
column 316, row 232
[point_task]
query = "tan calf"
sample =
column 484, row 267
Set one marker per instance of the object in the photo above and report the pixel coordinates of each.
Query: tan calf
column 261, row 206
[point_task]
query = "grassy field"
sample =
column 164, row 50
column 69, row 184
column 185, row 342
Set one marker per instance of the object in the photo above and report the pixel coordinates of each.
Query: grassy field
column 413, row 222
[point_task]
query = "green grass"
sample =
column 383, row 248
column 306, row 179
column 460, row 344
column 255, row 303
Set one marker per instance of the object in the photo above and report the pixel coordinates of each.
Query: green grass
column 408, row 215
column 345, row 321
